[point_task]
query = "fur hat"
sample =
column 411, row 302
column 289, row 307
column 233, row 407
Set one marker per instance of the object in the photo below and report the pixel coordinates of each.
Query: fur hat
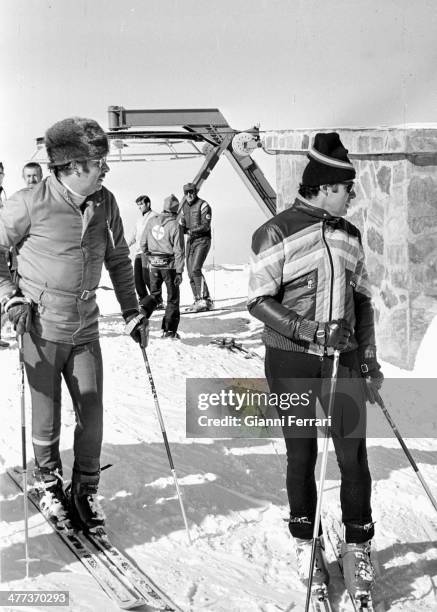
column 171, row 204
column 76, row 139
column 190, row 187
column 329, row 163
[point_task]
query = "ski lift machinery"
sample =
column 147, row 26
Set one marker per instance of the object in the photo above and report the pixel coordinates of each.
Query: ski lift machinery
column 138, row 135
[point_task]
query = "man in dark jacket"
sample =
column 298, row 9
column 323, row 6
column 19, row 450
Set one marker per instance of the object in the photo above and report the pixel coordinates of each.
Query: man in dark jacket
column 163, row 243
column 195, row 219
column 309, row 286
column 65, row 229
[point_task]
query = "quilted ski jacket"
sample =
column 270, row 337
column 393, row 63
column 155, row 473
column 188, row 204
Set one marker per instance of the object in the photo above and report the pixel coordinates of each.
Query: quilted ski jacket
column 312, row 264
column 61, row 252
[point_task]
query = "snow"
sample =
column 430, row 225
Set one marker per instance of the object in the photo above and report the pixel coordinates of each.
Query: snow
column 242, row 557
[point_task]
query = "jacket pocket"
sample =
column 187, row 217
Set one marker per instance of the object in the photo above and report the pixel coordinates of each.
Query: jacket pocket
column 300, row 294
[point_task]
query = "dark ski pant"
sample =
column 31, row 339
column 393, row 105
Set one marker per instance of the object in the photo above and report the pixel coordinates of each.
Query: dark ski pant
column 197, row 252
column 172, row 314
column 81, row 367
column 141, row 276
column 282, row 369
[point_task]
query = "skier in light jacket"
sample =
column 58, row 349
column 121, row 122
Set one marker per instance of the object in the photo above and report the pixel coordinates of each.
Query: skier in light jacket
column 64, row 230
column 141, row 267
column 163, row 243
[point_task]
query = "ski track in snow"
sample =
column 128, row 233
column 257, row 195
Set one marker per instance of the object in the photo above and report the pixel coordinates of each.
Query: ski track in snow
column 234, row 489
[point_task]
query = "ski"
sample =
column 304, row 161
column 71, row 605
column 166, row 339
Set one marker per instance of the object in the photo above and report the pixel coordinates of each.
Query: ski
column 153, row 596
column 363, row 603
column 110, row 581
column 320, row 599
column 186, row 311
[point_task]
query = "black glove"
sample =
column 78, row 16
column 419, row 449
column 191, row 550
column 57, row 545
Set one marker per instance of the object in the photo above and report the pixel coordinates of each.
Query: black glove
column 177, row 279
column 371, row 371
column 19, row 311
column 137, row 325
column 335, row 334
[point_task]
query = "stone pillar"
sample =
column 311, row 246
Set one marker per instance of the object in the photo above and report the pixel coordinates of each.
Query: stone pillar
column 396, row 211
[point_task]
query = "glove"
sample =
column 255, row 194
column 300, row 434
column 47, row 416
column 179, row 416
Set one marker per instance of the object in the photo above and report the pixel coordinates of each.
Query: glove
column 177, row 279
column 137, row 326
column 19, row 311
column 371, row 371
column 334, row 334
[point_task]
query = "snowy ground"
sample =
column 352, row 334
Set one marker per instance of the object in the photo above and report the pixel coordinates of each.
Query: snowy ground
column 241, row 559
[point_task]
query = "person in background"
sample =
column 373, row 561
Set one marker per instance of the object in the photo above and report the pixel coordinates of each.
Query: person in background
column 3, row 252
column 308, row 284
column 163, row 243
column 141, row 268
column 32, row 174
column 65, row 229
column 2, row 191
column 195, row 220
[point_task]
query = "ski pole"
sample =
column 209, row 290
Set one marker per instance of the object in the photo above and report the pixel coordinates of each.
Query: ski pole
column 381, row 404
column 164, row 435
column 23, row 452
column 322, row 476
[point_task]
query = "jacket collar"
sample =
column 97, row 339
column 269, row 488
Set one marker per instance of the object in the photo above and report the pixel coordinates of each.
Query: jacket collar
column 305, row 206
column 95, row 198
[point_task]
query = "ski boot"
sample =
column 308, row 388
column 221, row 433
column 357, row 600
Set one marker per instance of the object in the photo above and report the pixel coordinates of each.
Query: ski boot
column 320, row 574
column 203, row 305
column 86, row 511
column 192, row 307
column 52, row 500
column 358, row 571
column 170, row 334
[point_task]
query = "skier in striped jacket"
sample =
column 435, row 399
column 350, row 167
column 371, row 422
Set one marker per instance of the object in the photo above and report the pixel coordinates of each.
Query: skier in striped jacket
column 309, row 286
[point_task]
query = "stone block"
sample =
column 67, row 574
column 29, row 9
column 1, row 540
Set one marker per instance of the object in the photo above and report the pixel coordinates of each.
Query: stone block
column 388, row 297
column 384, row 178
column 375, row 240
column 421, row 140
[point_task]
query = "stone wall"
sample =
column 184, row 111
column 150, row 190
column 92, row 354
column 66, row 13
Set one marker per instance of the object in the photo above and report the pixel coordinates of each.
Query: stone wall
column 396, row 211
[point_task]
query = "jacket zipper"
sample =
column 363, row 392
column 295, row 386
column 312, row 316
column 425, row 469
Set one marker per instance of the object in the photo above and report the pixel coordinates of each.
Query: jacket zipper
column 331, row 265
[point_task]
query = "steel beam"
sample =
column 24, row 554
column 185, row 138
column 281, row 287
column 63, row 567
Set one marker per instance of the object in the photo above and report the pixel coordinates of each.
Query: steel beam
column 120, row 118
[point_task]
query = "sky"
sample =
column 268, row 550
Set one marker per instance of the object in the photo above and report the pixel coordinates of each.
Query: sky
column 282, row 64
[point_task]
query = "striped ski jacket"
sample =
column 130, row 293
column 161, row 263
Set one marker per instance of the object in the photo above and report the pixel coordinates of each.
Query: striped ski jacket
column 307, row 267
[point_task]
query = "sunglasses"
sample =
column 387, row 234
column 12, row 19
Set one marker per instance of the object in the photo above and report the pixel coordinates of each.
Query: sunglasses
column 348, row 186
column 100, row 162
column 190, row 192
